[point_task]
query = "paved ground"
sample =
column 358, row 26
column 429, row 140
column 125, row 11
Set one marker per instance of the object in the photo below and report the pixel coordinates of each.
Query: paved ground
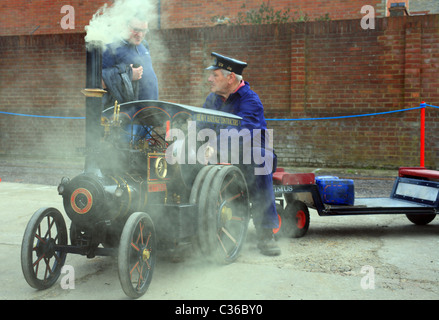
column 369, row 257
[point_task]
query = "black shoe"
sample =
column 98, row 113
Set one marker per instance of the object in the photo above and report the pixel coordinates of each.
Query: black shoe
column 267, row 244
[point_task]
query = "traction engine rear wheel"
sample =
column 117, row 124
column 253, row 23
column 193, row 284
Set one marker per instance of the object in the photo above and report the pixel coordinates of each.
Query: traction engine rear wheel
column 137, row 254
column 223, row 211
column 41, row 262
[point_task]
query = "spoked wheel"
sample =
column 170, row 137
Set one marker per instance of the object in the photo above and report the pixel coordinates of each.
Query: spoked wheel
column 293, row 220
column 41, row 262
column 223, row 211
column 137, row 254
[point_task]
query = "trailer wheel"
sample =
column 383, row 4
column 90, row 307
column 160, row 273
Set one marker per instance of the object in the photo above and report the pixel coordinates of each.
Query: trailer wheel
column 295, row 219
column 41, row 263
column 223, row 212
column 137, row 254
column 280, row 215
column 421, row 219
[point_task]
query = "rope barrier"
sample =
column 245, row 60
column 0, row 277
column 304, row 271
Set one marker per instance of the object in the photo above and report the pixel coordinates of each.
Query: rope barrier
column 344, row 117
column 38, row 116
column 423, row 105
column 429, row 105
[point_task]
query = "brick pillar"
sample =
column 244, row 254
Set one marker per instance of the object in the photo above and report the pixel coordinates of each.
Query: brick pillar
column 412, row 64
column 298, row 72
column 196, row 55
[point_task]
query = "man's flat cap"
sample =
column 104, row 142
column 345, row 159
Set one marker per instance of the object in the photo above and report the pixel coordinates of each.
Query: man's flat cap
column 226, row 63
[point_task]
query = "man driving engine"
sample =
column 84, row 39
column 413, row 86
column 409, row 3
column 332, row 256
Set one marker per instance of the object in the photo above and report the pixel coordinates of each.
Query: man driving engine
column 230, row 93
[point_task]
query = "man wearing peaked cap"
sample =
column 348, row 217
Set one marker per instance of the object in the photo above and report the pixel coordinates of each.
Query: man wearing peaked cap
column 226, row 63
column 230, row 93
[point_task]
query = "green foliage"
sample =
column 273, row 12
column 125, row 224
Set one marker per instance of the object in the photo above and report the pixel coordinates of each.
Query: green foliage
column 266, row 14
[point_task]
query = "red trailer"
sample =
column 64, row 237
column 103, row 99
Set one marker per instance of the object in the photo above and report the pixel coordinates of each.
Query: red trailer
column 415, row 193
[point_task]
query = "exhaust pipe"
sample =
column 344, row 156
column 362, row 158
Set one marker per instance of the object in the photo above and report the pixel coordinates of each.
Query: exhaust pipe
column 93, row 108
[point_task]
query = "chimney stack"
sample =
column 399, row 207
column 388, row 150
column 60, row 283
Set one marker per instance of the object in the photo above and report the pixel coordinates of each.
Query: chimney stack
column 398, row 9
column 93, row 108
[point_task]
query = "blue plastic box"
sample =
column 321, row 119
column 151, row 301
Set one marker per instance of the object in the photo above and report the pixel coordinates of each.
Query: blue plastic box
column 336, row 191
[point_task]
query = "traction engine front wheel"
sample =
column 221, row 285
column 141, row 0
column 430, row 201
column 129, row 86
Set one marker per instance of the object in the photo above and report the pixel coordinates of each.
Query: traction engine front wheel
column 41, row 261
column 137, row 254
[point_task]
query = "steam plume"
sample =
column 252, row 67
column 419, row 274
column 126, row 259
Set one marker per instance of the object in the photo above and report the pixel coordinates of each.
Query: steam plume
column 110, row 23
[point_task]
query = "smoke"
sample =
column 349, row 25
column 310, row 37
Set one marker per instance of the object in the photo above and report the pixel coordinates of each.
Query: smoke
column 110, row 23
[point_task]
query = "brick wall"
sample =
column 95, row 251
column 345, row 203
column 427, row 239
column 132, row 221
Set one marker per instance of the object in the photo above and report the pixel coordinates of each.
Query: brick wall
column 24, row 17
column 301, row 70
column 327, row 69
column 42, row 75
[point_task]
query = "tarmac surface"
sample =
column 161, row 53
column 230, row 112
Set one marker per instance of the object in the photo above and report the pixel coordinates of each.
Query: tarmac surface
column 340, row 258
